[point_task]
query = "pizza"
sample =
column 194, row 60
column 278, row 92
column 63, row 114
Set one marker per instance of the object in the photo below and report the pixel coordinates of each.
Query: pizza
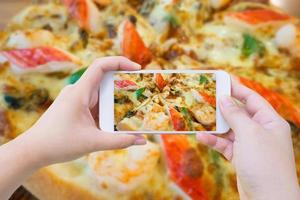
column 165, row 102
column 49, row 45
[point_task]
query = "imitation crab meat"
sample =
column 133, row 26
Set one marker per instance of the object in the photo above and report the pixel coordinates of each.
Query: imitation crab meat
column 184, row 165
column 160, row 81
column 177, row 120
column 280, row 103
column 42, row 59
column 86, row 13
column 252, row 19
column 126, row 85
column 208, row 98
column 131, row 44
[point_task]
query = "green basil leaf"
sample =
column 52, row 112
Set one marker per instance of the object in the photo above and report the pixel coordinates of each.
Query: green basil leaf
column 139, row 92
column 172, row 19
column 130, row 114
column 203, row 79
column 187, row 117
column 76, row 75
column 252, row 46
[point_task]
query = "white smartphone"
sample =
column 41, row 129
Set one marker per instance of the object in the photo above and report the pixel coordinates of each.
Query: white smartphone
column 163, row 101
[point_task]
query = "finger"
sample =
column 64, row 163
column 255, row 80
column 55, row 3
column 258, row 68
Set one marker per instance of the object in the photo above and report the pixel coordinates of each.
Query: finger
column 229, row 136
column 91, row 78
column 222, row 145
column 109, row 141
column 234, row 115
column 253, row 101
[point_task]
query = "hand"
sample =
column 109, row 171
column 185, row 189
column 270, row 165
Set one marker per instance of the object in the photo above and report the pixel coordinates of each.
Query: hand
column 68, row 130
column 259, row 146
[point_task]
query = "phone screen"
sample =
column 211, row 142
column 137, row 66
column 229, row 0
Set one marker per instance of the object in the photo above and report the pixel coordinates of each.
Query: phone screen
column 164, row 101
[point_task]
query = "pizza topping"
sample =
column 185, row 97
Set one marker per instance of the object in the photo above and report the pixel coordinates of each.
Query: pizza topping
column 208, row 98
column 186, row 114
column 177, row 120
column 286, row 36
column 34, row 100
column 203, row 79
column 259, row 16
column 122, row 100
column 111, row 29
column 280, row 103
column 255, row 18
column 42, row 59
column 252, row 46
column 103, row 3
column 204, row 113
column 76, row 75
column 125, row 170
column 160, row 82
column 126, row 85
column 13, row 102
column 86, row 13
column 4, row 124
column 147, row 7
column 182, row 166
column 192, row 165
column 172, row 20
column 131, row 44
column 30, row 39
column 139, row 94
column 159, row 17
column 84, row 36
column 219, row 4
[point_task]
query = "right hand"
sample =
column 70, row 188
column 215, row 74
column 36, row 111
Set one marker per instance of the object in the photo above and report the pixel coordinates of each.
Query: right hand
column 68, row 129
column 259, row 146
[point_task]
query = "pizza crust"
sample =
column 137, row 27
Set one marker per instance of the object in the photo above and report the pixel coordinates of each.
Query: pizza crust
column 47, row 184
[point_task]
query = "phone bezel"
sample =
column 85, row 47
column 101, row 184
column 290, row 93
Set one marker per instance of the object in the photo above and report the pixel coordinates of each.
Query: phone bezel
column 106, row 108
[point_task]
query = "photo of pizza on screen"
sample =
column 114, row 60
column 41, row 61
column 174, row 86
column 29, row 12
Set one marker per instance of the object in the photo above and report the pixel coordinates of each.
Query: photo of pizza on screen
column 164, row 102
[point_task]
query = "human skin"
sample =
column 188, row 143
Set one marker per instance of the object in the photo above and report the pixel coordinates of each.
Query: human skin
column 258, row 145
column 66, row 131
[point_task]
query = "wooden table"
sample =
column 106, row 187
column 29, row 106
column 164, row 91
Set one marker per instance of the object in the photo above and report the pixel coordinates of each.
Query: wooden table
column 8, row 8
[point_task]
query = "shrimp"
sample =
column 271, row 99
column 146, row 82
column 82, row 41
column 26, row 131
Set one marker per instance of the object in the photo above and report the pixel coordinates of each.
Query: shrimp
column 156, row 119
column 204, row 113
column 122, row 171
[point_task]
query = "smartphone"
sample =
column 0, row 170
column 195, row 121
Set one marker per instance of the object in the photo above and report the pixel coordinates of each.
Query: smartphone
column 163, row 101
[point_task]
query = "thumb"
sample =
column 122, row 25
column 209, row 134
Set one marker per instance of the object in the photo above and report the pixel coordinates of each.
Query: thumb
column 110, row 141
column 234, row 114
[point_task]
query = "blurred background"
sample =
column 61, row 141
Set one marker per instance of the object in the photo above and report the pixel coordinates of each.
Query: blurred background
column 9, row 7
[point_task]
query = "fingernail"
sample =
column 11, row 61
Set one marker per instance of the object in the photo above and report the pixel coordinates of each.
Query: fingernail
column 136, row 65
column 140, row 141
column 227, row 101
